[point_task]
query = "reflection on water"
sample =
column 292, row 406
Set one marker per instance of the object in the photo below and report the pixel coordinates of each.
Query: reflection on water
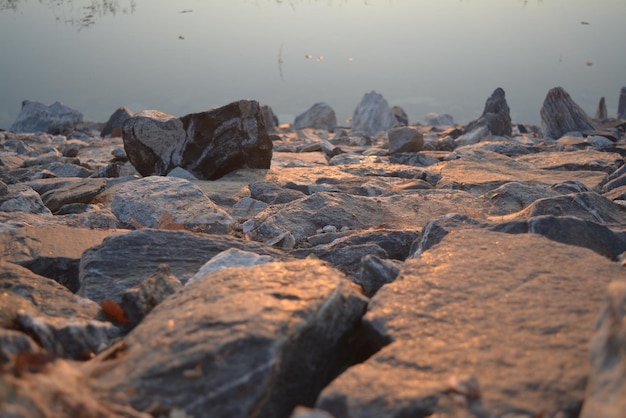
column 444, row 56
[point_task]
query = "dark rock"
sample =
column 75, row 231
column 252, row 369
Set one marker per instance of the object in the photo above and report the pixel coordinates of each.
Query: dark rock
column 601, row 112
column 463, row 322
column 415, row 159
column 168, row 203
column 271, row 120
column 272, row 193
column 436, row 230
column 585, row 160
column 78, row 191
column 560, row 115
column 54, row 119
column 495, row 117
column 319, row 116
column 514, row 196
column 22, row 198
column 123, row 261
column 400, row 115
column 115, row 122
column 208, row 144
column 606, row 389
column 376, row 272
column 571, row 231
column 138, row 301
column 253, row 342
column 63, row 270
column 372, row 115
column 119, row 154
column 621, row 106
column 13, row 342
column 405, row 139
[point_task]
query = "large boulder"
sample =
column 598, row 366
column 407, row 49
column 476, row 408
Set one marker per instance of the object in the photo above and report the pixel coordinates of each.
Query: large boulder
column 208, row 144
column 560, row 115
column 248, row 342
column 54, row 119
column 495, row 117
column 319, row 116
column 480, row 326
column 372, row 115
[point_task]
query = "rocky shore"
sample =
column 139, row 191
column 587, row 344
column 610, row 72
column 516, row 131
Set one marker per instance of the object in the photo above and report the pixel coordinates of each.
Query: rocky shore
column 221, row 264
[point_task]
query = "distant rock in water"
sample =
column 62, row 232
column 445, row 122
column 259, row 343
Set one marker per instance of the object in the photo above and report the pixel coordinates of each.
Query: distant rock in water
column 54, row 119
column 560, row 115
column 436, row 119
column 621, row 107
column 495, row 117
column 319, row 116
column 372, row 115
column 208, row 144
column 601, row 112
column 114, row 125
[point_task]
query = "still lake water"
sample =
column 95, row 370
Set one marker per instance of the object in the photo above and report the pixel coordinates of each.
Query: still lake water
column 184, row 56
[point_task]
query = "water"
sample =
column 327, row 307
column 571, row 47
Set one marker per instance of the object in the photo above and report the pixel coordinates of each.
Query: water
column 184, row 56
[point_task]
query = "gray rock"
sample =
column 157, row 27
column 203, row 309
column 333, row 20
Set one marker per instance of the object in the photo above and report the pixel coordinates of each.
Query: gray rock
column 601, row 112
column 572, row 231
column 181, row 173
column 208, row 144
column 252, row 342
column 272, row 193
column 496, row 117
column 319, row 116
column 61, row 169
column 560, row 115
column 372, row 115
column 460, row 314
column 437, row 229
column 115, row 122
column 606, row 389
column 400, row 115
column 13, row 342
column 621, row 106
column 78, row 191
column 247, row 207
column 55, row 119
column 22, row 198
column 4, row 189
column 138, row 301
column 436, row 119
column 123, row 261
column 375, row 272
column 168, row 203
column 271, row 121
column 585, row 160
column 405, row 139
column 232, row 257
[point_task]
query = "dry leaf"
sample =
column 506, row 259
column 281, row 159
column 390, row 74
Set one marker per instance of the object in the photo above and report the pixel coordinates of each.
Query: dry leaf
column 114, row 311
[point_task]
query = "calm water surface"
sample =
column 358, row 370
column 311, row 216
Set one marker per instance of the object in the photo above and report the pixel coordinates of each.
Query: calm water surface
column 183, row 56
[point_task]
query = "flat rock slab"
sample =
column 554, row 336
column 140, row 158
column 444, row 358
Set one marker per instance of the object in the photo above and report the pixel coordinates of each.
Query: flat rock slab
column 248, row 342
column 78, row 191
column 124, row 261
column 484, row 316
column 488, row 171
column 587, row 160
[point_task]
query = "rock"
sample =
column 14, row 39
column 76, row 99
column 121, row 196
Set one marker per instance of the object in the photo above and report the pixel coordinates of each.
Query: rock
column 376, row 272
column 232, row 257
column 247, row 207
column 138, row 301
column 436, row 119
column 271, row 121
column 560, row 115
column 585, row 160
column 480, row 329
column 54, row 119
column 168, row 203
column 601, row 112
column 372, row 115
column 13, row 342
column 495, row 117
column 400, row 115
column 319, row 116
column 606, row 389
column 78, row 191
column 4, row 189
column 113, row 127
column 281, row 332
column 599, row 142
column 208, row 144
column 22, row 199
column 304, row 412
column 273, row 194
column 405, row 139
column 181, row 173
column 621, row 106
column 572, row 231
column 123, row 261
